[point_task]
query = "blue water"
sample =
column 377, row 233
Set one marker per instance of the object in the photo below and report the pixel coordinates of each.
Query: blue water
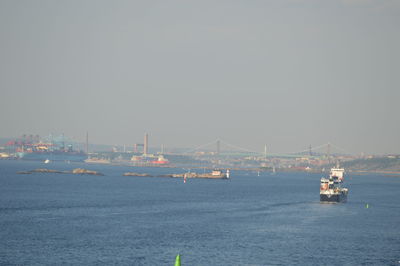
column 53, row 219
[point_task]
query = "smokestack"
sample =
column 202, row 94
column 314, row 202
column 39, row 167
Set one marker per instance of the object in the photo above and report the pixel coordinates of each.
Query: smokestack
column 146, row 140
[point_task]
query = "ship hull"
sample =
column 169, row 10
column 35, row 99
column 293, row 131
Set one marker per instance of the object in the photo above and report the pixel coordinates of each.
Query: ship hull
column 333, row 198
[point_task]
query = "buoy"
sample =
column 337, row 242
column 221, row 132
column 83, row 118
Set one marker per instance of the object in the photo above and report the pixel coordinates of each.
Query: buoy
column 366, row 206
column 178, row 260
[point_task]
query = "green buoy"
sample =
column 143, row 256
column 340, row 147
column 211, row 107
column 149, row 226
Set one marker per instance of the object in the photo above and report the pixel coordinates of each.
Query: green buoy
column 178, row 260
column 366, row 206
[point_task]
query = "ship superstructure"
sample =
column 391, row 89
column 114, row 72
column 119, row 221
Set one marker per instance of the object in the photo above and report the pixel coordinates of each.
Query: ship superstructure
column 331, row 190
column 149, row 160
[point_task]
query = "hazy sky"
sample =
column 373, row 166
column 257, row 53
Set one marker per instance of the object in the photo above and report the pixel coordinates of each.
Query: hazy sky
column 287, row 73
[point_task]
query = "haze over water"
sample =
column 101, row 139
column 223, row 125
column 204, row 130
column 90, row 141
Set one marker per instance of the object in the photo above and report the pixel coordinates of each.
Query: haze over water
column 49, row 219
column 283, row 73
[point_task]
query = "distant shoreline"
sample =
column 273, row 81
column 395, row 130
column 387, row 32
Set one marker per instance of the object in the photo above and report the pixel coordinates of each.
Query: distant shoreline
column 387, row 173
column 252, row 169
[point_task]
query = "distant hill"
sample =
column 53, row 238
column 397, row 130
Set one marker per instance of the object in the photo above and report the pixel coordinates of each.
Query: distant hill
column 386, row 163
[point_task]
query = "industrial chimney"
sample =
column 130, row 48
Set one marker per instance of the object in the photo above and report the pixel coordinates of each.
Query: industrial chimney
column 146, row 142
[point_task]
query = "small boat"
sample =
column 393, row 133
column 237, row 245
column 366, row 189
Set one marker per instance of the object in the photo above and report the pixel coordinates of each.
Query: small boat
column 46, row 161
column 273, row 170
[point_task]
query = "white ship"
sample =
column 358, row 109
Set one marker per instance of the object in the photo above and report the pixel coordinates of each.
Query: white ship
column 331, row 189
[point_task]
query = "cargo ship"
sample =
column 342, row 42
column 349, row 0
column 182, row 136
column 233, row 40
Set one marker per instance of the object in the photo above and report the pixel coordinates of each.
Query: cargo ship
column 331, row 190
column 149, row 160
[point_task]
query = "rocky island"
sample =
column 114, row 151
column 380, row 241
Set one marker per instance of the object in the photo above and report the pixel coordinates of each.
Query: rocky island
column 76, row 171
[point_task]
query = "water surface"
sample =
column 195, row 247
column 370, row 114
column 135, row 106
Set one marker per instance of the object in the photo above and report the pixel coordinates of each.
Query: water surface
column 52, row 219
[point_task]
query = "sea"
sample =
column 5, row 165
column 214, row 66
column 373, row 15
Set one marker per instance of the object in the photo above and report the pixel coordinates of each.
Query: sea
column 250, row 219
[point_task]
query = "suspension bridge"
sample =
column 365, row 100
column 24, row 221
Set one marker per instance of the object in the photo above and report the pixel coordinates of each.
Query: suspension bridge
column 222, row 147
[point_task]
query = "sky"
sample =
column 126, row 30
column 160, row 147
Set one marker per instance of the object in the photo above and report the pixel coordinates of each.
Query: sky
column 286, row 73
